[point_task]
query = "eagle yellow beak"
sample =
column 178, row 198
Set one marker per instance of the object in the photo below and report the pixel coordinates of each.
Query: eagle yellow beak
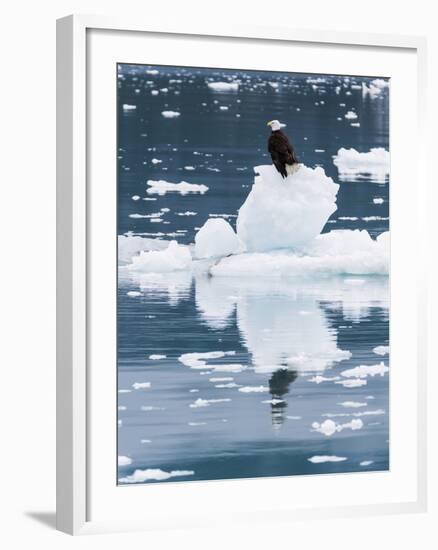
column 269, row 123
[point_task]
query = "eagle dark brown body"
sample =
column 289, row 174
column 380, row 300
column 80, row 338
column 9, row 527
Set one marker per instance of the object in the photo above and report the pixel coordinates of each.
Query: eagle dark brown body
column 282, row 152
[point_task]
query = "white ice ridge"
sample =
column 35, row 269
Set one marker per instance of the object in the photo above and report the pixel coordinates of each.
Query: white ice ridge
column 285, row 213
column 216, row 238
column 154, row 474
column 161, row 187
column 353, row 165
column 320, row 459
column 223, row 86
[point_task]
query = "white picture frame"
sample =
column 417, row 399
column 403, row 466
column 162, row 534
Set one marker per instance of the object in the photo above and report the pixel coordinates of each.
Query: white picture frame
column 73, row 298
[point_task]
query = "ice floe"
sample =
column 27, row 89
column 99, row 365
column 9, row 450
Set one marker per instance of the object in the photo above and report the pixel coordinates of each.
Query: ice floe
column 197, row 360
column 223, row 86
column 161, row 187
column 353, row 165
column 157, row 357
column 173, row 258
column 366, row 462
column 207, row 402
column 133, row 293
column 363, row 371
column 352, row 404
column 170, row 114
column 154, row 474
column 350, row 115
column 216, row 238
column 329, row 427
column 375, row 87
column 124, row 461
column 381, row 350
column 352, row 382
column 320, row 459
column 128, row 107
column 141, row 385
column 253, row 389
column 130, row 245
column 337, row 252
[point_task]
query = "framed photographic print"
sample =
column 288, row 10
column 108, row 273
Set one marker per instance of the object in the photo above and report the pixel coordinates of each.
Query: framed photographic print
column 241, row 317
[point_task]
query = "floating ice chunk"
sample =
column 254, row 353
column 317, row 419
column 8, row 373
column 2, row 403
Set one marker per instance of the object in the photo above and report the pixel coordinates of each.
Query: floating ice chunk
column 329, row 427
column 254, row 389
column 223, row 108
column 170, row 114
column 231, row 367
column 189, row 168
column 352, row 382
column 152, row 71
column 223, row 86
column 363, row 371
column 333, row 253
column 157, row 357
column 216, row 238
column 141, row 385
column 353, row 165
column 188, row 213
column 145, row 441
column 154, row 92
column 197, row 423
column 133, row 293
column 375, row 87
column 228, row 385
column 381, row 350
column 161, row 187
column 222, row 379
column 153, row 474
column 378, row 200
column 318, row 361
column 295, row 209
column 199, row 360
column 366, row 462
column 127, row 107
column 174, row 258
column 320, row 459
column 318, row 379
column 124, row 461
column 352, row 404
column 350, row 115
column 294, row 417
column 156, row 161
column 135, row 197
column 206, row 402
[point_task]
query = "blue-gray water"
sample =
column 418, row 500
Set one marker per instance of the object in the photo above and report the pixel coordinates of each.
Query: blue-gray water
column 262, row 322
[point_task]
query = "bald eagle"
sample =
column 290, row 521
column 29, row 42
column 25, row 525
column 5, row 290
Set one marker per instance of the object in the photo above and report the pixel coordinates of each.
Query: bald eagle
column 281, row 150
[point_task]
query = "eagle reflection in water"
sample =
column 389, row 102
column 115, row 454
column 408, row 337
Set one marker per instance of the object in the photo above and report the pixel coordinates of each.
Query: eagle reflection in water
column 279, row 384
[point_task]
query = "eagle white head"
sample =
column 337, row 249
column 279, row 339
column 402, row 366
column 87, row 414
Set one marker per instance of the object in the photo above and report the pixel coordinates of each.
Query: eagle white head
column 276, row 125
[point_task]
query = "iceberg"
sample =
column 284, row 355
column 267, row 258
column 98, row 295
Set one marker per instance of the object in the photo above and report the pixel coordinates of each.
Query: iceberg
column 286, row 213
column 216, row 238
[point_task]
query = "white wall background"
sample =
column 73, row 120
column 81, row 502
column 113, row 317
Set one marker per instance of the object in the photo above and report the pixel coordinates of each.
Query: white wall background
column 27, row 304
